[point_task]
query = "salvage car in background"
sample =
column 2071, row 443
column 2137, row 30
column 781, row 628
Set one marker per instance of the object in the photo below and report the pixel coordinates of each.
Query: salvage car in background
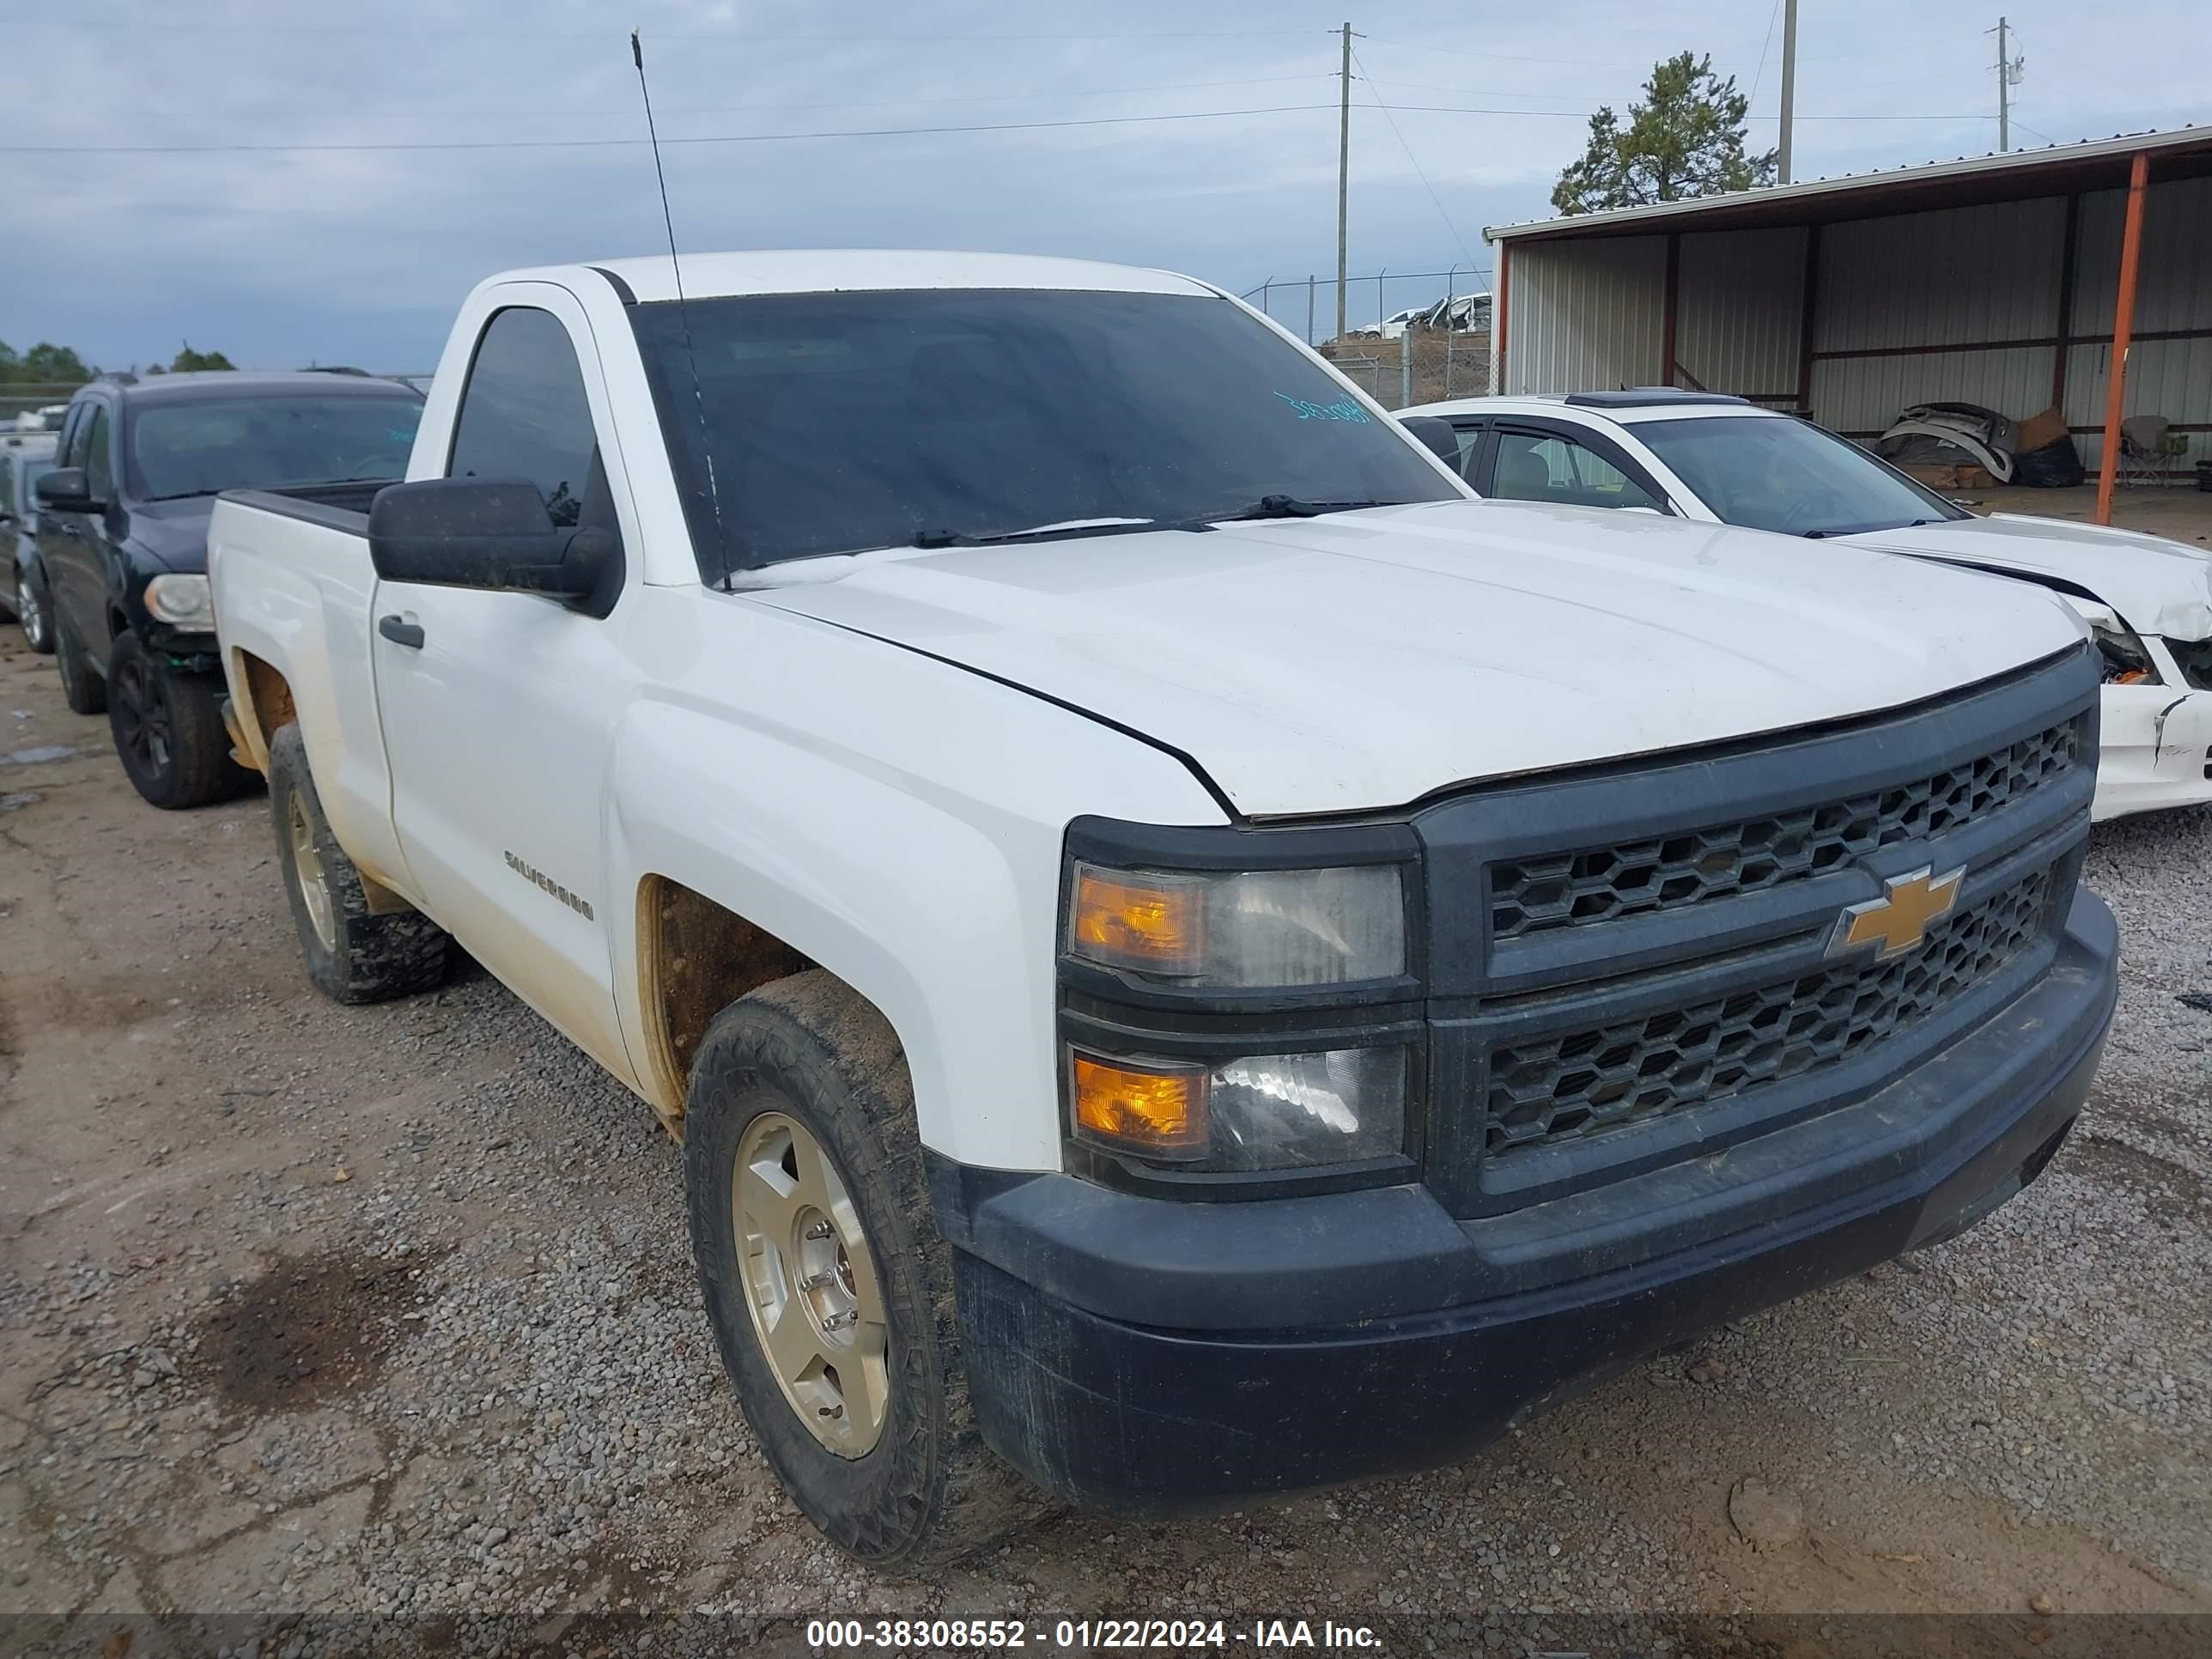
column 1189, row 959
column 24, row 459
column 1706, row 456
column 122, row 542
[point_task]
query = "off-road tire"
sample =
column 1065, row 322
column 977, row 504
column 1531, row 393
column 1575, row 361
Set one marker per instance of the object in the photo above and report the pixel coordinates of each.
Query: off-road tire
column 168, row 730
column 39, row 627
column 371, row 958
column 84, row 691
column 929, row 1490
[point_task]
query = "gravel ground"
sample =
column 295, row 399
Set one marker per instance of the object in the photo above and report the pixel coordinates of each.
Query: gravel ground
column 390, row 1311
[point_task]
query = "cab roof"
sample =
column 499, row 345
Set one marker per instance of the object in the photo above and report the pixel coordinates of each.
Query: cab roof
column 206, row 386
column 822, row 270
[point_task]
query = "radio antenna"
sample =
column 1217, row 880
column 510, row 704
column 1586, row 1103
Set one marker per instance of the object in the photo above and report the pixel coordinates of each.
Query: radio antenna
column 684, row 317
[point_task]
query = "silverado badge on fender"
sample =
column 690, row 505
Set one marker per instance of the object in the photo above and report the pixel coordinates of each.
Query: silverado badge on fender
column 529, row 873
column 1898, row 920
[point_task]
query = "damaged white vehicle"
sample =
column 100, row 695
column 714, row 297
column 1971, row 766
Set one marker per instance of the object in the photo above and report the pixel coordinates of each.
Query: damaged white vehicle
column 1705, row 456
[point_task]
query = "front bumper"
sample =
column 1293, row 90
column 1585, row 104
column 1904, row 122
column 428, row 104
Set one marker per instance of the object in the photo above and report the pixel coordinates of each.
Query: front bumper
column 2154, row 750
column 1164, row 1358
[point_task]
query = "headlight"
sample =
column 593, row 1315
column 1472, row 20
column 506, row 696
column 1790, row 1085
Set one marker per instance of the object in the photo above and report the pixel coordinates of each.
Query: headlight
column 1260, row 1112
column 2120, row 653
column 181, row 601
column 1242, row 930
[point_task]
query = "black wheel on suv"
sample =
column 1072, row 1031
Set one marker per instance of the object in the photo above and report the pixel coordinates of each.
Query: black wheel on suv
column 168, row 730
column 827, row 1285
column 34, row 611
column 84, row 691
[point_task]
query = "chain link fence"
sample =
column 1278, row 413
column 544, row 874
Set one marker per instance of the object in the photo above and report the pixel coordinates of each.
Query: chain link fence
column 1440, row 366
column 1446, row 313
column 19, row 398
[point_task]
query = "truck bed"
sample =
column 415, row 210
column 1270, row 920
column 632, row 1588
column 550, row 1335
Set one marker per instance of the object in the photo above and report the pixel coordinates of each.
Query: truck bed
column 335, row 506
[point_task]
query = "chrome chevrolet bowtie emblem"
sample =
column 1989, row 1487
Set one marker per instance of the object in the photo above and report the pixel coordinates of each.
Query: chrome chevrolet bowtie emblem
column 1898, row 920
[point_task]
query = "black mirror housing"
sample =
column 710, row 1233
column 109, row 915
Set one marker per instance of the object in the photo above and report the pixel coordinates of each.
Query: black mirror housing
column 492, row 534
column 1434, row 434
column 65, row 489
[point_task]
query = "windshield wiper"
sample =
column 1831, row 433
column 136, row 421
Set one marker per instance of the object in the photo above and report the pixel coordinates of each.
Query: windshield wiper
column 937, row 538
column 1290, row 506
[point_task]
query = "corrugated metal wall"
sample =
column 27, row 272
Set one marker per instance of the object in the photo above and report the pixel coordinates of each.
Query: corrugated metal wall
column 1739, row 307
column 1926, row 279
column 2172, row 378
column 1582, row 315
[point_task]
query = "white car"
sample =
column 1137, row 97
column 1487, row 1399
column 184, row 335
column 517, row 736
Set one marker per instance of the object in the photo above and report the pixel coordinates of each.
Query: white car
column 1706, row 457
column 1190, row 960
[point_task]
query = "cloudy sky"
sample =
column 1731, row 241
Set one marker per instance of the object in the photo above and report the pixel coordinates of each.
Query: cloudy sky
column 286, row 181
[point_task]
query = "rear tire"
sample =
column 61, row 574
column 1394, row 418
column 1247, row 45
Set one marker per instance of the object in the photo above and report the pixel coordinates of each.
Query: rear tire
column 352, row 955
column 33, row 610
column 84, row 691
column 168, row 731
column 803, row 1083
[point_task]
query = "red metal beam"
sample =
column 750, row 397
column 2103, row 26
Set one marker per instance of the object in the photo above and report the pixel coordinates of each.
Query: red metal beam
column 2064, row 348
column 2024, row 342
column 1498, row 318
column 1809, row 317
column 2123, row 322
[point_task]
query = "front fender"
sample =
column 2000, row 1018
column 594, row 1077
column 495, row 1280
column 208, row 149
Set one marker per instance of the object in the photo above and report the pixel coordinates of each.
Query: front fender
column 908, row 840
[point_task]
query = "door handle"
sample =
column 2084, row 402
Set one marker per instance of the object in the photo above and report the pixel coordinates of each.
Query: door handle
column 401, row 632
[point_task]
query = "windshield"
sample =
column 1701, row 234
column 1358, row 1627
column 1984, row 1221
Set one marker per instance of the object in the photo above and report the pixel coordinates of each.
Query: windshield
column 1770, row 473
column 836, row 423
column 240, row 442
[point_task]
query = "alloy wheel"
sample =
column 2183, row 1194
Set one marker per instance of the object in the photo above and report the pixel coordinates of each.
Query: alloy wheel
column 811, row 1284
column 142, row 717
column 315, row 885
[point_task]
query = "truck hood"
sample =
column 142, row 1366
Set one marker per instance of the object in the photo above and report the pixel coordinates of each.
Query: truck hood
column 1363, row 659
column 2158, row 587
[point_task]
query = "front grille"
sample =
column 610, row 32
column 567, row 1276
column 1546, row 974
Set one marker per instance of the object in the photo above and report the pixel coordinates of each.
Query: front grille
column 1597, row 885
column 2195, row 658
column 1585, row 1082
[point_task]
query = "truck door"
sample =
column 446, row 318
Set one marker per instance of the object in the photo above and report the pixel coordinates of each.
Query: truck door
column 498, row 709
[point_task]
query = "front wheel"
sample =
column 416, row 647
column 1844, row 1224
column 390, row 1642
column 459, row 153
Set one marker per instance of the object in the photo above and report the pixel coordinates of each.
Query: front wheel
column 827, row 1282
column 168, row 731
column 32, row 611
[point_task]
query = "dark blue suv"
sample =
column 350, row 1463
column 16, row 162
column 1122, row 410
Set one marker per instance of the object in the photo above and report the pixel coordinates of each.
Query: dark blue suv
column 122, row 542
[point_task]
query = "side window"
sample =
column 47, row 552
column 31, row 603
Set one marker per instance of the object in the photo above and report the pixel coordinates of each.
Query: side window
column 1469, row 435
column 74, row 425
column 1533, row 466
column 524, row 414
column 7, row 486
column 98, row 461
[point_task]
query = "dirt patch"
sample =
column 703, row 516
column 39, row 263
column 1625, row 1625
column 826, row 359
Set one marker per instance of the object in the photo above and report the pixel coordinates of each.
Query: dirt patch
column 308, row 1330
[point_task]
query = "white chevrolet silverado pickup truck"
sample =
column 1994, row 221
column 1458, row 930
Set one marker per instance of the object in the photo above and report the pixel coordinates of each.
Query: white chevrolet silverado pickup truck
column 1189, row 958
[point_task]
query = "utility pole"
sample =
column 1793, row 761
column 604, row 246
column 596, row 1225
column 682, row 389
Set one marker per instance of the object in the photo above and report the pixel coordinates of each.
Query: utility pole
column 1789, row 88
column 1343, row 176
column 2009, row 69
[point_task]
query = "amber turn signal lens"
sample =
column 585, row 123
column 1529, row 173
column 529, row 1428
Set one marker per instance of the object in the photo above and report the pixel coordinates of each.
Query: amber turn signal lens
column 1155, row 924
column 1155, row 1113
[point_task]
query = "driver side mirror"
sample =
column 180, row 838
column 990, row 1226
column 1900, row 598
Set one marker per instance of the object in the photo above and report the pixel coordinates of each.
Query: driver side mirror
column 490, row 533
column 65, row 489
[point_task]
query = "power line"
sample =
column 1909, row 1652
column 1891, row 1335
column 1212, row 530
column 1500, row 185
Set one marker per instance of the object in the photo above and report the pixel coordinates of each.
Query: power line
column 134, row 25
column 609, row 144
column 1765, row 48
column 1472, row 92
column 1441, row 211
column 761, row 109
